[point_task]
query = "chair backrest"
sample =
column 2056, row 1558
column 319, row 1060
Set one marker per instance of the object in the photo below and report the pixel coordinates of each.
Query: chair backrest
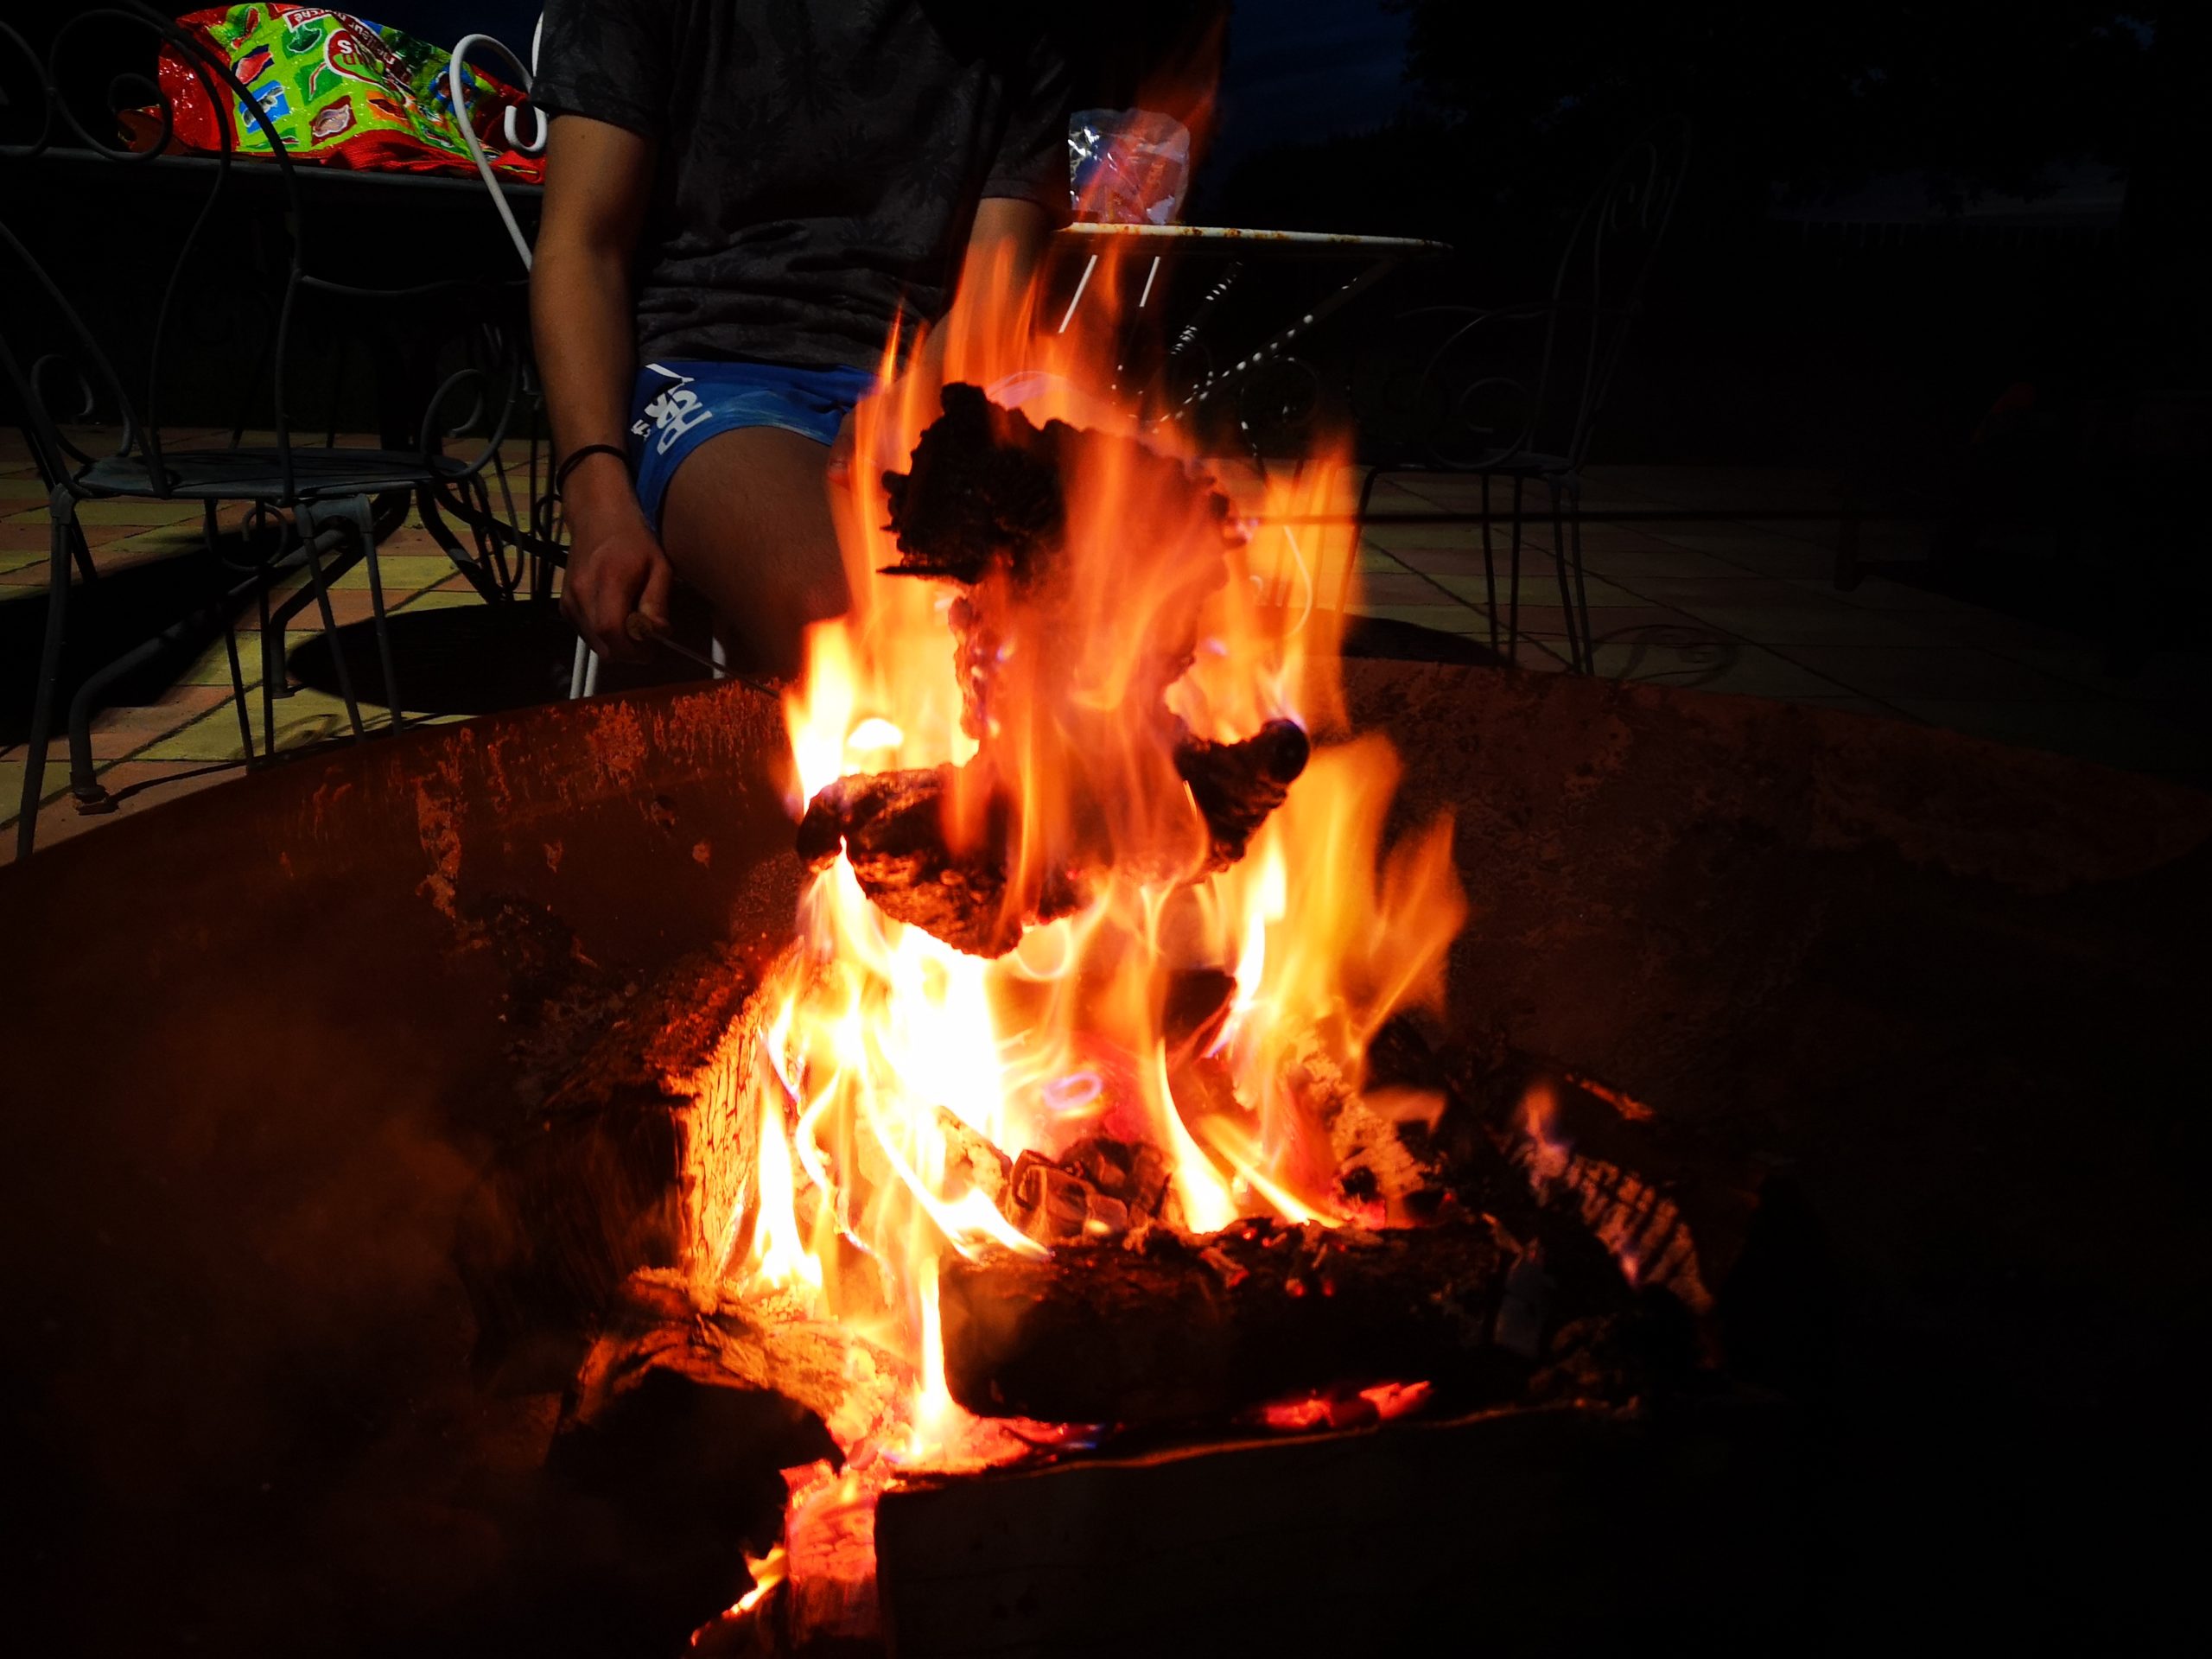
column 83, row 367
column 1466, row 385
column 1603, row 275
column 40, row 118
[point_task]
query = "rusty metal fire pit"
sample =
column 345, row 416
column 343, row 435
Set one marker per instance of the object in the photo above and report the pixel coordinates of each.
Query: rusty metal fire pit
column 1916, row 1016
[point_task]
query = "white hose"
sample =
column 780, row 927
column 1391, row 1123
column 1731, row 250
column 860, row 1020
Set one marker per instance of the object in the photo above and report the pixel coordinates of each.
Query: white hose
column 469, row 43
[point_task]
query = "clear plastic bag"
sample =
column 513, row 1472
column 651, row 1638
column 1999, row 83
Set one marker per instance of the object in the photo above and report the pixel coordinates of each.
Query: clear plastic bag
column 1128, row 167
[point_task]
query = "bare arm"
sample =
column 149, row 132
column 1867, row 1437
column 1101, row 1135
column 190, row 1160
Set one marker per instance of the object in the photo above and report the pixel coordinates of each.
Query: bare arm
column 598, row 178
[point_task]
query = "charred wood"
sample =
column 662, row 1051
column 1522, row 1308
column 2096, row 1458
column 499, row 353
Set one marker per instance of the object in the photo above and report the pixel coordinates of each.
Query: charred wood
column 892, row 826
column 678, row 1424
column 591, row 1187
column 1164, row 1327
column 986, row 487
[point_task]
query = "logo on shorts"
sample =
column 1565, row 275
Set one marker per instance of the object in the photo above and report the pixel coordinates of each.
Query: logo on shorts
column 675, row 412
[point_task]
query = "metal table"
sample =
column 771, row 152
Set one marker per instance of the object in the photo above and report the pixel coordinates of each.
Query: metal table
column 1373, row 258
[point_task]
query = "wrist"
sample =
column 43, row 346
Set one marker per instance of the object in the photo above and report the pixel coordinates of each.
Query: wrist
column 598, row 487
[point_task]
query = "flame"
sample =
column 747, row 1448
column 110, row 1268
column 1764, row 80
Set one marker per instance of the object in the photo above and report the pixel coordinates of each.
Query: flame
column 888, row 1073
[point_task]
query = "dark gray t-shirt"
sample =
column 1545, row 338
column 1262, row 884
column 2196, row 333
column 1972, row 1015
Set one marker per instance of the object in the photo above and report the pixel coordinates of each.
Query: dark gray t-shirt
column 819, row 161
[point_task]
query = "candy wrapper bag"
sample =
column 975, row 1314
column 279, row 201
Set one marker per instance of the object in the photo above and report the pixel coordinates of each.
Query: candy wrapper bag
column 339, row 90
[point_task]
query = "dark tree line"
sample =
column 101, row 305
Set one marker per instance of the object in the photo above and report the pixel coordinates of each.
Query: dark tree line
column 1803, row 99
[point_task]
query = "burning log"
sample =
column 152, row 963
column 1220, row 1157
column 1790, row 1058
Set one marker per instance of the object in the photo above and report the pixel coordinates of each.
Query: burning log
column 892, row 826
column 680, row 1421
column 593, row 1188
column 986, row 487
column 1166, row 1328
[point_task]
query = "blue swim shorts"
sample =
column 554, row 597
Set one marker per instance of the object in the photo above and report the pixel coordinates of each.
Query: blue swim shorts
column 677, row 406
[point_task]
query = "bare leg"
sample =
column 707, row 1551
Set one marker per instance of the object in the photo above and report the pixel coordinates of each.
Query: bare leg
column 747, row 522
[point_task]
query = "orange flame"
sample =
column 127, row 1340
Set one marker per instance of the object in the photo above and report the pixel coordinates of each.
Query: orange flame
column 887, row 1056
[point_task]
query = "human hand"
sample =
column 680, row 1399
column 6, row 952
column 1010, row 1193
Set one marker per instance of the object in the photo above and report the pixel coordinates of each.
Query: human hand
column 616, row 569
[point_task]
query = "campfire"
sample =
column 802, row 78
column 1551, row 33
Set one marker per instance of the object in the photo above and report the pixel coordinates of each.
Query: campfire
column 1092, row 1103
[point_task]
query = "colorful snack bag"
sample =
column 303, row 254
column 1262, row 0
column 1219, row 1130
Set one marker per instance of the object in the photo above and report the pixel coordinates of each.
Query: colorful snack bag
column 338, row 90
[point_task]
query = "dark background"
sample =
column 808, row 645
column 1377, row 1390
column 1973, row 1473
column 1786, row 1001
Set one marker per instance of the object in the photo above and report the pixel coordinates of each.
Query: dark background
column 1946, row 255
column 1895, row 216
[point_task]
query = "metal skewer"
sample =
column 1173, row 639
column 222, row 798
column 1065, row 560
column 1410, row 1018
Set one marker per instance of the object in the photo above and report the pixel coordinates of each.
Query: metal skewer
column 641, row 628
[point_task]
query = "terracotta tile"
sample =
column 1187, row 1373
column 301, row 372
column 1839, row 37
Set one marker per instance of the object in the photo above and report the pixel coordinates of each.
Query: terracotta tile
column 1403, row 588
column 1771, row 615
column 213, row 665
column 1378, row 560
column 119, row 732
column 29, row 532
column 445, row 598
column 306, row 716
column 55, row 782
column 1411, row 537
column 403, row 573
column 1537, row 587
column 1607, row 621
column 1445, row 619
column 124, row 511
column 1668, row 656
column 1635, row 566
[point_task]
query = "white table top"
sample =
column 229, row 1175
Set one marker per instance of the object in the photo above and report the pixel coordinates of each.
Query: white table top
column 1164, row 237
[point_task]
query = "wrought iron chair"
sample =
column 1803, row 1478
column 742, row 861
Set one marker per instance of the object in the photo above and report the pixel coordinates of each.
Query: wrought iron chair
column 318, row 497
column 1513, row 393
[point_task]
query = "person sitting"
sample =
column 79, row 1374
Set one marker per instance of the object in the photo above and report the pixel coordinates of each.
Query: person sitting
column 741, row 203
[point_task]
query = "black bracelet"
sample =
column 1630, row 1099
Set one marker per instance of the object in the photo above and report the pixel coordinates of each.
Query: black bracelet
column 561, row 477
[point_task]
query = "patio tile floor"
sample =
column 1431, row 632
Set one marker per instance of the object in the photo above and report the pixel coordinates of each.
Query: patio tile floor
column 1748, row 608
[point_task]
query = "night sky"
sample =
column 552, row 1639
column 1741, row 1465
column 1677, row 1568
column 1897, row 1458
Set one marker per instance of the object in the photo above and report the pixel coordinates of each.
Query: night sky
column 1302, row 69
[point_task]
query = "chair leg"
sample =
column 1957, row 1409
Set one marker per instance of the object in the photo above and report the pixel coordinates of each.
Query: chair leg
column 334, row 536
column 1575, row 648
column 356, row 512
column 1489, row 569
column 1513, row 575
column 83, row 554
column 268, row 685
column 223, row 598
column 449, row 544
column 1581, row 592
column 1358, row 538
column 62, row 511
column 308, row 531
